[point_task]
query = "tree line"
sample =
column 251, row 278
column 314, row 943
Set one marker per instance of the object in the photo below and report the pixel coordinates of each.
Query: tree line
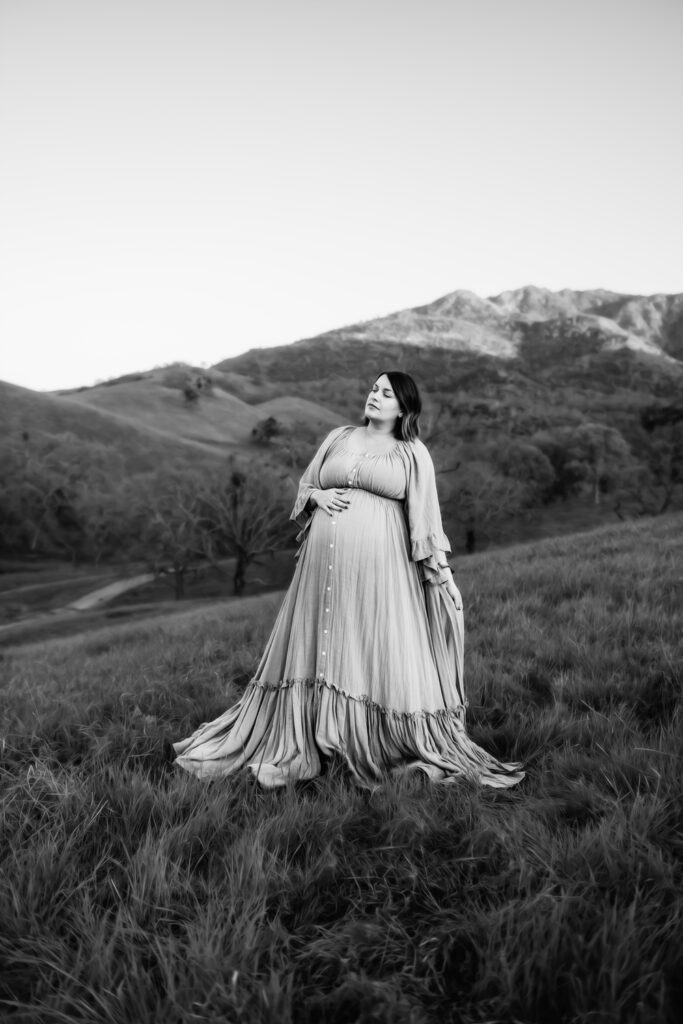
column 491, row 475
column 64, row 496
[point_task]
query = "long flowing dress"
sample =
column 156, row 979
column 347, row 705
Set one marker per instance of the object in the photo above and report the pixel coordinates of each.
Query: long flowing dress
column 366, row 655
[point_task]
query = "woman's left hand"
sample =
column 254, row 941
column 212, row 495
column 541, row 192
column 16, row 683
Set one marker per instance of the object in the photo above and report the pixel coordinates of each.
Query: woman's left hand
column 453, row 592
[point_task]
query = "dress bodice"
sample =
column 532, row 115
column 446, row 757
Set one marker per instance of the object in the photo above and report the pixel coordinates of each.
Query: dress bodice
column 382, row 473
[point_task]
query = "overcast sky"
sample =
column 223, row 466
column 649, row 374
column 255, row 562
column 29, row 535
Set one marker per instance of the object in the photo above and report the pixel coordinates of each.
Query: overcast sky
column 187, row 179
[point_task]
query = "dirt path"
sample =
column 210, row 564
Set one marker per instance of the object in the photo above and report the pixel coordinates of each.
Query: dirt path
column 53, row 618
column 44, row 584
column 108, row 593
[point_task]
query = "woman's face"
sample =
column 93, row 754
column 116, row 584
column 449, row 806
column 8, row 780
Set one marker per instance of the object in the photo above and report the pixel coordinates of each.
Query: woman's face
column 382, row 405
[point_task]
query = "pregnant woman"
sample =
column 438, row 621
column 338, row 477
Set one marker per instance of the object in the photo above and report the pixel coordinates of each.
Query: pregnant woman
column 365, row 658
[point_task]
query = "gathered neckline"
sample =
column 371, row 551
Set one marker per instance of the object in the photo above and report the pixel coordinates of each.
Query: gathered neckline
column 367, row 455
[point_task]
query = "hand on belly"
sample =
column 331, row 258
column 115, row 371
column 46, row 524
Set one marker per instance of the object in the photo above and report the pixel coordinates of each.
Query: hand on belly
column 332, row 499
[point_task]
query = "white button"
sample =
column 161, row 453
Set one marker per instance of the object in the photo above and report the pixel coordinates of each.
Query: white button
column 329, row 588
column 334, row 522
column 329, row 567
column 323, row 654
column 324, row 631
column 331, row 545
column 327, row 609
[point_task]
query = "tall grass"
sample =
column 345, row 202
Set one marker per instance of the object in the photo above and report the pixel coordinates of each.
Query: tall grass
column 131, row 891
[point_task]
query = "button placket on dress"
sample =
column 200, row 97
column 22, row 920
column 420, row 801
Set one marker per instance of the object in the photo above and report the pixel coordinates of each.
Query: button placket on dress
column 324, row 638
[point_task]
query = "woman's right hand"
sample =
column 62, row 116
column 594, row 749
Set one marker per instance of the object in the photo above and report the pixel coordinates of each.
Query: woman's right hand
column 332, row 500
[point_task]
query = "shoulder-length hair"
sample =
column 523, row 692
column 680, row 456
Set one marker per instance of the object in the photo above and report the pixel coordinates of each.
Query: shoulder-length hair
column 407, row 426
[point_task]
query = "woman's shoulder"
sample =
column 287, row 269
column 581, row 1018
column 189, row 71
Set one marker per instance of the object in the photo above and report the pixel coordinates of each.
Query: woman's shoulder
column 339, row 432
column 336, row 432
column 334, row 435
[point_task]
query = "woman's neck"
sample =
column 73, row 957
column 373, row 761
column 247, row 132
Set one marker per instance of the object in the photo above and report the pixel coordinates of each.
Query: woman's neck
column 379, row 432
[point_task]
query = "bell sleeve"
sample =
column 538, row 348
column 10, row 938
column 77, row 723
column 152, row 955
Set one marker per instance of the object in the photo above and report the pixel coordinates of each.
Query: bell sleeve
column 428, row 547
column 428, row 543
column 310, row 481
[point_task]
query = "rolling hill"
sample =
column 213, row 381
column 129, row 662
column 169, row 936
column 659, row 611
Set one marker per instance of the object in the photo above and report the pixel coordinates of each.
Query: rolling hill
column 149, row 423
column 156, row 402
column 141, row 446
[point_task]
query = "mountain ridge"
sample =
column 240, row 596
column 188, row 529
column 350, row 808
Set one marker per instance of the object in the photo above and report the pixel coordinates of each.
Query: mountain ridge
column 514, row 343
column 498, row 325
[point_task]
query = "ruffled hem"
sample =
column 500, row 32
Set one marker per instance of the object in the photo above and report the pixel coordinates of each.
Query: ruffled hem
column 457, row 714
column 282, row 732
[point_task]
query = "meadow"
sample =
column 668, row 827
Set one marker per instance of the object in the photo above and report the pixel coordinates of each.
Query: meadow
column 132, row 892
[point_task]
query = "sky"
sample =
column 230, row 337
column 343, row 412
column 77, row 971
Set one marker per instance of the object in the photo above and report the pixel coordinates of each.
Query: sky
column 182, row 180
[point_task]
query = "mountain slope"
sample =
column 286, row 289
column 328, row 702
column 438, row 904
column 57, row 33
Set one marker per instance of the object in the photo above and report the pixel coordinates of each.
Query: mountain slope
column 497, row 326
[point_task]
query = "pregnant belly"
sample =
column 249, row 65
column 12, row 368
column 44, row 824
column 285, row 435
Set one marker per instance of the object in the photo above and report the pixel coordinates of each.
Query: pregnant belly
column 371, row 529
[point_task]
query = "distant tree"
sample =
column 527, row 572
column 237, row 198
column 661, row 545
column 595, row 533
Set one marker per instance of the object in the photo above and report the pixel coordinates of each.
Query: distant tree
column 606, row 455
column 524, row 462
column 556, row 446
column 248, row 515
column 102, row 516
column 46, row 481
column 589, row 456
column 437, row 422
column 173, row 532
column 16, row 500
column 298, row 444
column 661, row 416
column 482, row 498
column 665, row 425
column 266, row 430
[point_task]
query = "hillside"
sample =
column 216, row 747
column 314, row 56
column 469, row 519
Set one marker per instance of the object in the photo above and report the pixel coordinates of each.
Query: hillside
column 531, row 399
column 150, row 423
column 541, row 400
column 523, row 347
column 552, row 361
column 155, row 401
column 463, row 322
column 218, row 418
column 140, row 445
column 84, row 472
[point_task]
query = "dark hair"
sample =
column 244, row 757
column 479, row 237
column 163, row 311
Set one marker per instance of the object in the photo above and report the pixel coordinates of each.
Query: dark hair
column 407, row 426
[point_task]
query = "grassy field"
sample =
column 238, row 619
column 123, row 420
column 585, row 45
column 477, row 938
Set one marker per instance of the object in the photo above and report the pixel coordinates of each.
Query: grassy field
column 132, row 892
